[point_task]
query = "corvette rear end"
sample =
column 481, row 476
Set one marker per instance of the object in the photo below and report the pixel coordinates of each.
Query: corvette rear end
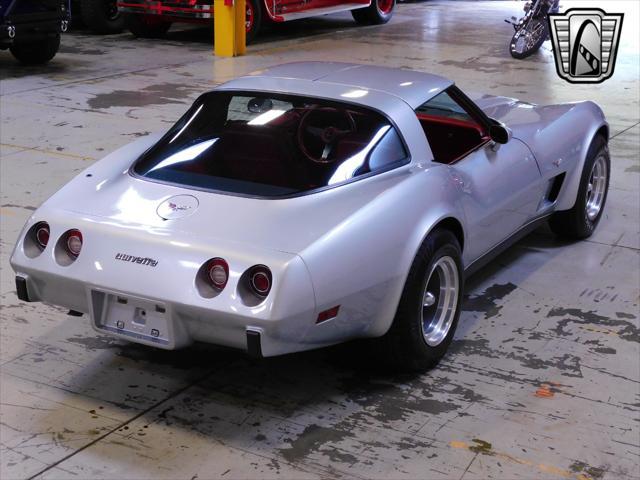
column 164, row 288
column 161, row 251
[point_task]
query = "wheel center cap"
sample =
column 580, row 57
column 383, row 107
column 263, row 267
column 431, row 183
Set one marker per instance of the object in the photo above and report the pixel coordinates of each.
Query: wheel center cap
column 429, row 299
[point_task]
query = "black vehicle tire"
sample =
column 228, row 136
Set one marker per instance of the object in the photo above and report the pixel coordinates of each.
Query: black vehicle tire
column 146, row 26
column 405, row 346
column 38, row 52
column 101, row 16
column 581, row 221
column 535, row 47
column 253, row 15
column 379, row 12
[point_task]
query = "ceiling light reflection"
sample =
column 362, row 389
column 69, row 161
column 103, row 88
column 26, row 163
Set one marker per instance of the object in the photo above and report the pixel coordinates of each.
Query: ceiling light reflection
column 348, row 168
column 185, row 155
column 355, row 94
column 266, row 117
column 187, row 124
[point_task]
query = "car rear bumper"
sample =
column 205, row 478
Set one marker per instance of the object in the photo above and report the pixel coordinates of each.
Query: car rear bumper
column 185, row 324
column 169, row 276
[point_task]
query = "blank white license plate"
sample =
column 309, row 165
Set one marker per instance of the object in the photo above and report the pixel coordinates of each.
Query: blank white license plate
column 141, row 320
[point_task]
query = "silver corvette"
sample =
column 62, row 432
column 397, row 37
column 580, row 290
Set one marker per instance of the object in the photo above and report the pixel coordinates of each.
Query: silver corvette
column 309, row 204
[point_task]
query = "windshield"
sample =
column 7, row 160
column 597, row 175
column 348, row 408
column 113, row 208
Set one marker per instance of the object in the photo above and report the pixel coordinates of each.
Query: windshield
column 267, row 144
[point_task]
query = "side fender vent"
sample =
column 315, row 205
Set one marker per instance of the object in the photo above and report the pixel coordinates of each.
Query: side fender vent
column 556, row 185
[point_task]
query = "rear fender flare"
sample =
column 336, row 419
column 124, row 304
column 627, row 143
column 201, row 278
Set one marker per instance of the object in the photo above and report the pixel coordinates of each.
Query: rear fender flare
column 430, row 221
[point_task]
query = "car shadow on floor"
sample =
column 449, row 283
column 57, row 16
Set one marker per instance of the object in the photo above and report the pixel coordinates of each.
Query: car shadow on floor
column 289, row 405
column 355, row 362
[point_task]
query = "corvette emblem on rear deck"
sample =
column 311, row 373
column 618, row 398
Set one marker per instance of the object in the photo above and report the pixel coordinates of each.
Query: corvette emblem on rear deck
column 177, row 207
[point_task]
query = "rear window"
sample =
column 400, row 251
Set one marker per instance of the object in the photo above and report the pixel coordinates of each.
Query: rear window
column 264, row 144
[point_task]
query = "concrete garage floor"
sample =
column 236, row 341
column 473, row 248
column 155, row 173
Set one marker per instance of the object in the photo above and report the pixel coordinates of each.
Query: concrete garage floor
column 543, row 380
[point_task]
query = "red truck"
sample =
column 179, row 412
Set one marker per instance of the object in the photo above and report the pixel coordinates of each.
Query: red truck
column 152, row 18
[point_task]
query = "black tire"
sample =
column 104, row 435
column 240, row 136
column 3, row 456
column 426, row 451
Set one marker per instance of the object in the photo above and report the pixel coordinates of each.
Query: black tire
column 575, row 224
column 36, row 53
column 101, row 16
column 146, row 26
column 379, row 12
column 404, row 345
column 536, row 46
column 254, row 28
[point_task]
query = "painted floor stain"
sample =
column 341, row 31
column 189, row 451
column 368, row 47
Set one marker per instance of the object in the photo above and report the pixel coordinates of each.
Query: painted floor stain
column 160, row 94
column 577, row 471
column 486, row 302
column 481, row 446
column 594, row 473
column 544, row 391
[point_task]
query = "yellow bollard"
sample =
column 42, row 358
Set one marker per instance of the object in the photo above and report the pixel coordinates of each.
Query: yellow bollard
column 229, row 23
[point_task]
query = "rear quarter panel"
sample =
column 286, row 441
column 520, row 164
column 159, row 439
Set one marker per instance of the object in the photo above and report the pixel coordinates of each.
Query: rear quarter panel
column 362, row 263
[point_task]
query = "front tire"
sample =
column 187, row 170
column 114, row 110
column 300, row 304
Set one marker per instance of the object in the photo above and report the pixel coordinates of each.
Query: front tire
column 146, row 26
column 524, row 43
column 429, row 307
column 379, row 12
column 36, row 53
column 581, row 221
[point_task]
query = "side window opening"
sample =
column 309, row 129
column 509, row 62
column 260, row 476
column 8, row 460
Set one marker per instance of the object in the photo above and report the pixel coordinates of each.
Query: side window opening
column 451, row 131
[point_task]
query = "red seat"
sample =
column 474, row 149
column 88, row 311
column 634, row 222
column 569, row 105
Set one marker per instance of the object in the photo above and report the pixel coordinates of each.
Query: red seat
column 451, row 139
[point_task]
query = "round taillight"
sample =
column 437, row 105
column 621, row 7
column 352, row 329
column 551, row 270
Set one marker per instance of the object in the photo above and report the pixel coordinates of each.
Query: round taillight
column 218, row 273
column 260, row 280
column 42, row 234
column 74, row 242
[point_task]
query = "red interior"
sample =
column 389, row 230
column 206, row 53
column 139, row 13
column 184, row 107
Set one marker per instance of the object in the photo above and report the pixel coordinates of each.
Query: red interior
column 450, row 138
column 271, row 154
column 263, row 155
column 255, row 154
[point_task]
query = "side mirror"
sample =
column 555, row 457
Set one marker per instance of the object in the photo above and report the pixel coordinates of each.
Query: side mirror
column 500, row 133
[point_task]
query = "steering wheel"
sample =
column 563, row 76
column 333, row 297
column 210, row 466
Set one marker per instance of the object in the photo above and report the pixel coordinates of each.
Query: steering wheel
column 320, row 129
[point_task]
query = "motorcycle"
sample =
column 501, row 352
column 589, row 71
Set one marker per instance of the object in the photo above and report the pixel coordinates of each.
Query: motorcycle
column 532, row 30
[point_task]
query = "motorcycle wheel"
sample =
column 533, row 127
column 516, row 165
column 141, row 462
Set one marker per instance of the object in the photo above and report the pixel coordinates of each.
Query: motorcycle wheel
column 528, row 39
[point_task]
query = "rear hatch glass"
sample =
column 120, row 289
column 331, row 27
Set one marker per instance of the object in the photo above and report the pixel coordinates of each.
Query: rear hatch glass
column 270, row 145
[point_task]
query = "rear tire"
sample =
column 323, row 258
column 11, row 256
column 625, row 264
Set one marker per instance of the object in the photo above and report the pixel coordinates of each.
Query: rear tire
column 581, row 221
column 379, row 12
column 101, row 16
column 429, row 308
column 146, row 26
column 36, row 53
